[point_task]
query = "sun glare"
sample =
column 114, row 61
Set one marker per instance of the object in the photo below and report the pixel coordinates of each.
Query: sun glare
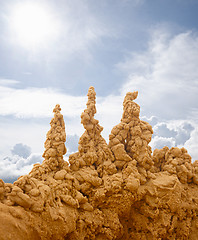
column 33, row 25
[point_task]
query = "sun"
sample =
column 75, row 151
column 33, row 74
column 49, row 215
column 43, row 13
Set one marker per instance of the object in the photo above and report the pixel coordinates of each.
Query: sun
column 32, row 24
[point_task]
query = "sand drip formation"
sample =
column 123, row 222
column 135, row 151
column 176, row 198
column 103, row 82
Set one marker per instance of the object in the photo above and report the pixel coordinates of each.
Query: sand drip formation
column 109, row 191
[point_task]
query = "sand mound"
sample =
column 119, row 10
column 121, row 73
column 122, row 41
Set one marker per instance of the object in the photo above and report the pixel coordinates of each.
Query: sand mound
column 108, row 191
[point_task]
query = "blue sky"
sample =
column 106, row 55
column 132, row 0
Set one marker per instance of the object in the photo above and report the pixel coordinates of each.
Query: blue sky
column 52, row 51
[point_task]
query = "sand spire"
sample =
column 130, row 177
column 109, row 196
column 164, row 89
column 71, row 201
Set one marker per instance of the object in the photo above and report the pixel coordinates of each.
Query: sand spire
column 55, row 142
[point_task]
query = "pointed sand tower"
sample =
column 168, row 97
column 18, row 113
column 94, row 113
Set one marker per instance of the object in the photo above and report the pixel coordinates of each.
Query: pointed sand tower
column 93, row 149
column 55, row 142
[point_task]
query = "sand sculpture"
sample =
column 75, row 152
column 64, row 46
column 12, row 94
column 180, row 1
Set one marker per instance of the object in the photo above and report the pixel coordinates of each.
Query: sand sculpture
column 109, row 191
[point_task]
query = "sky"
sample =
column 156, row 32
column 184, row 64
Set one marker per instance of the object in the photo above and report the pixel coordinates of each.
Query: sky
column 53, row 51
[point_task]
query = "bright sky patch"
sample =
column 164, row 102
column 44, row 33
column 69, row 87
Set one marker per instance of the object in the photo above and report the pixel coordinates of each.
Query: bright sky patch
column 32, row 24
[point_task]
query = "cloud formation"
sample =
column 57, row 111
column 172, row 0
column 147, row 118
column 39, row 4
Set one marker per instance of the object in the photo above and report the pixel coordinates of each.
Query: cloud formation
column 12, row 167
column 175, row 133
column 192, row 143
column 19, row 163
column 180, row 131
column 21, row 150
column 160, row 142
column 37, row 102
column 166, row 74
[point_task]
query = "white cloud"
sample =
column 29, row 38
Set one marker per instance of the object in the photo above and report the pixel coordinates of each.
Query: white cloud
column 160, row 142
column 7, row 82
column 153, row 120
column 178, row 129
column 31, row 132
column 192, row 144
column 13, row 167
column 166, row 75
column 161, row 129
column 176, row 133
column 21, row 150
column 38, row 102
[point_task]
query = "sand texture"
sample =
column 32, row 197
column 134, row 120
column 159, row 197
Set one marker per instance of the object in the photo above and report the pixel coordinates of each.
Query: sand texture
column 119, row 190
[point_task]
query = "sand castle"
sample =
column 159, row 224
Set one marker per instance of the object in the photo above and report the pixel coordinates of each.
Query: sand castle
column 109, row 191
